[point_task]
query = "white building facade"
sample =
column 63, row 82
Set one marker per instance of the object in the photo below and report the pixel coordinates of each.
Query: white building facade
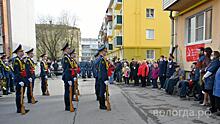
column 89, row 47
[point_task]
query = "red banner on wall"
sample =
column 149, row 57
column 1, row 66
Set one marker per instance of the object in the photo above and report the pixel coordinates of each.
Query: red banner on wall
column 192, row 52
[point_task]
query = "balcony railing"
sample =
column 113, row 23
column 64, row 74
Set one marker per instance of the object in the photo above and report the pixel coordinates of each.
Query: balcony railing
column 117, row 4
column 118, row 41
column 118, row 22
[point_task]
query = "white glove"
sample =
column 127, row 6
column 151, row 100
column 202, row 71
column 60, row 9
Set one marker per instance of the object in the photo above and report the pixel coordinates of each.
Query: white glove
column 30, row 79
column 21, row 83
column 74, row 79
column 70, row 83
column 106, row 82
column 46, row 77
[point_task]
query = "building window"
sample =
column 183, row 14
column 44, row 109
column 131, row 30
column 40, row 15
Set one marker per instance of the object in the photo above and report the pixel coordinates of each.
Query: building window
column 150, row 54
column 149, row 34
column 110, row 46
column 199, row 27
column 150, row 13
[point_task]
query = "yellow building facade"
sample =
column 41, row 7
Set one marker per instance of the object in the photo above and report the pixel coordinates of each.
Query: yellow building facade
column 139, row 29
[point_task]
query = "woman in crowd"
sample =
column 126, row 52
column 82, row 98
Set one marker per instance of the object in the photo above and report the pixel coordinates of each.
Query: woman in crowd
column 207, row 53
column 143, row 73
column 216, row 91
column 155, row 75
column 111, row 70
column 209, row 79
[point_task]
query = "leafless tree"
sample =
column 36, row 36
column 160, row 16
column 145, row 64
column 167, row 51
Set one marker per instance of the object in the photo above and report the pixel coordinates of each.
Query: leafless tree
column 52, row 33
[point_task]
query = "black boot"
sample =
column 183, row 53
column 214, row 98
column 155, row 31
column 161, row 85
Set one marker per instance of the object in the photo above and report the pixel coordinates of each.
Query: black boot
column 102, row 103
column 97, row 97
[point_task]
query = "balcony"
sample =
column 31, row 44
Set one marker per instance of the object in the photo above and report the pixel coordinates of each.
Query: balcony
column 109, row 29
column 178, row 5
column 109, row 33
column 117, row 4
column 118, row 41
column 118, row 22
column 109, row 15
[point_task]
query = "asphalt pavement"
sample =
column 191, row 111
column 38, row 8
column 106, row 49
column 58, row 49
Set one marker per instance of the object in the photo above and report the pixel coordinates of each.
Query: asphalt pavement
column 50, row 109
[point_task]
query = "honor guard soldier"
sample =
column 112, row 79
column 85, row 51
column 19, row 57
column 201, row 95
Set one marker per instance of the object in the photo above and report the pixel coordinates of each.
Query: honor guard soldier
column 20, row 75
column 44, row 75
column 102, row 76
column 7, row 73
column 30, row 70
column 67, row 77
column 1, row 76
column 11, row 75
column 75, row 71
column 95, row 74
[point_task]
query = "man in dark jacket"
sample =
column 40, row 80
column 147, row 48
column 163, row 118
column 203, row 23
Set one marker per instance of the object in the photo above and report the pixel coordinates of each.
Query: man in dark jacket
column 162, row 72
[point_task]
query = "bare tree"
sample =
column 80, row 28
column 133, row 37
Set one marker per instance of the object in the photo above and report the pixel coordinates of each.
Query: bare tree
column 52, row 33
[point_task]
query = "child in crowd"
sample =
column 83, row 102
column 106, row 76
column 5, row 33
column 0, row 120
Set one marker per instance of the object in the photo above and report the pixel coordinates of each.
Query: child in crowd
column 126, row 73
column 155, row 74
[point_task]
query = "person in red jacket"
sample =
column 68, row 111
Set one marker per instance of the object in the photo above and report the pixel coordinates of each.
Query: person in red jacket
column 111, row 70
column 143, row 71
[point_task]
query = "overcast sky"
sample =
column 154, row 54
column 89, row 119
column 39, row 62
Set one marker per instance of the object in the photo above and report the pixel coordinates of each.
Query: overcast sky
column 89, row 13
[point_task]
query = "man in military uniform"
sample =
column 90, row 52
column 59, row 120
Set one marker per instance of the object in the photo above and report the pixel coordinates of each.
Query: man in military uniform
column 95, row 74
column 67, row 77
column 20, row 75
column 75, row 71
column 7, row 73
column 102, row 76
column 44, row 74
column 11, row 75
column 2, row 76
column 30, row 69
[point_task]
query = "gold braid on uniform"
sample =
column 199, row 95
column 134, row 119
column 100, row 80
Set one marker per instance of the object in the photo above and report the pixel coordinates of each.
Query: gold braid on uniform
column 5, row 67
column 22, row 65
column 107, row 66
column 31, row 63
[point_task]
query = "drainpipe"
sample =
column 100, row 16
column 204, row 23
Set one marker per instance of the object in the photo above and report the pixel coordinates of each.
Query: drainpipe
column 172, row 35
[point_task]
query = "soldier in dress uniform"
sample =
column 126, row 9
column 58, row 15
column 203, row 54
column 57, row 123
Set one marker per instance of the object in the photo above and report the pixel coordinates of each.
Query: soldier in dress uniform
column 7, row 73
column 102, row 76
column 30, row 69
column 75, row 71
column 95, row 74
column 44, row 74
column 67, row 75
column 20, row 75
column 11, row 75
